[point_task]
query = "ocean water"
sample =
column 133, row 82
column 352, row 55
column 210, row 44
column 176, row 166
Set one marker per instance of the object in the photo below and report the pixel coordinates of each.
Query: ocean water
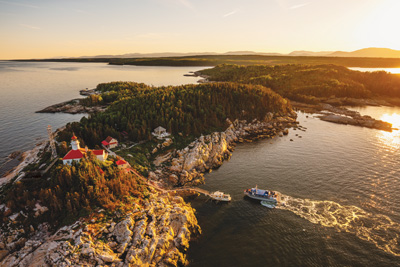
column 27, row 87
column 340, row 185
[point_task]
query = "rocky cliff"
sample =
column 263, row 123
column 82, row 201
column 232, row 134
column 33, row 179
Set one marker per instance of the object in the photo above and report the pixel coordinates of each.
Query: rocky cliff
column 187, row 166
column 154, row 234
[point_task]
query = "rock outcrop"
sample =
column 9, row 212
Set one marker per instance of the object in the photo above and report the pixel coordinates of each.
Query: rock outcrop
column 187, row 166
column 343, row 115
column 71, row 107
column 154, row 234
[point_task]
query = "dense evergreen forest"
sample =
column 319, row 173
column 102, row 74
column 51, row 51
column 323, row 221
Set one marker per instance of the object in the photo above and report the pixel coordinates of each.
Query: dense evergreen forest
column 189, row 110
column 73, row 191
column 213, row 60
column 306, row 82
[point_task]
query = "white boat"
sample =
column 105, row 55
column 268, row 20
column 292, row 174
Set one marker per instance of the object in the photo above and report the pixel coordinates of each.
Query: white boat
column 268, row 204
column 220, row 196
column 259, row 194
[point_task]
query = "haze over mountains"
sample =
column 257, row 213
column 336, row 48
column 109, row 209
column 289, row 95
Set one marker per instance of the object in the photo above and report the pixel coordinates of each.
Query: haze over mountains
column 366, row 52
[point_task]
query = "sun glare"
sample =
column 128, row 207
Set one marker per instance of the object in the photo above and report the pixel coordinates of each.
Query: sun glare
column 394, row 119
column 391, row 139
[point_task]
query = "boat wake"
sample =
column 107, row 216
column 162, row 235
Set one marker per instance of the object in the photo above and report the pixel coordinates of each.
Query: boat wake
column 378, row 229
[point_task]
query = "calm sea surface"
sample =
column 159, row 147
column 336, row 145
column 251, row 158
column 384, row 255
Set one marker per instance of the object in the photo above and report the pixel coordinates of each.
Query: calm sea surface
column 340, row 183
column 27, row 87
column 341, row 186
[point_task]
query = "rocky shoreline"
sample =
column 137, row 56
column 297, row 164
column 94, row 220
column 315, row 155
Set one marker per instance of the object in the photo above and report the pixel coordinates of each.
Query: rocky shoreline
column 27, row 158
column 186, row 167
column 205, row 78
column 72, row 107
column 154, row 234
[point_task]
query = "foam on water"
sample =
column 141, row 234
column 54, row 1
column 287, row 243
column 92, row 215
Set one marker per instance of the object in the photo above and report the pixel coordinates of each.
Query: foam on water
column 376, row 228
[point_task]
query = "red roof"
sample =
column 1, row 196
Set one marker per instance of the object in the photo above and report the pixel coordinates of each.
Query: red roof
column 74, row 137
column 108, row 139
column 98, row 152
column 121, row 162
column 105, row 143
column 73, row 154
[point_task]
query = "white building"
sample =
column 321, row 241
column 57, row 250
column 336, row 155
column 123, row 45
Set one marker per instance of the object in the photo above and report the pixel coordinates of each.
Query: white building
column 110, row 142
column 160, row 132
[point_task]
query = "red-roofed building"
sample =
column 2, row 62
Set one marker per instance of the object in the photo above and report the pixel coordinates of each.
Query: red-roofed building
column 110, row 142
column 100, row 154
column 77, row 153
column 122, row 164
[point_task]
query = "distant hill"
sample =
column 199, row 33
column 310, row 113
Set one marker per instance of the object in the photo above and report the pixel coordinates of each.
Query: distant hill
column 303, row 53
column 146, row 55
column 174, row 54
column 369, row 52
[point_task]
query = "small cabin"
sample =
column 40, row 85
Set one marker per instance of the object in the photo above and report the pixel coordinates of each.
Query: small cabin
column 122, row 164
column 110, row 142
column 160, row 132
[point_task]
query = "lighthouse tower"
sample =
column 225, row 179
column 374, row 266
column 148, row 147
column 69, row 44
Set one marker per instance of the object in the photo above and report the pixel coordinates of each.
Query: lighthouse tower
column 75, row 143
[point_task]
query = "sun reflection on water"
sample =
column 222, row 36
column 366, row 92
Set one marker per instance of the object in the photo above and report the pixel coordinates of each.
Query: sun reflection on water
column 391, row 139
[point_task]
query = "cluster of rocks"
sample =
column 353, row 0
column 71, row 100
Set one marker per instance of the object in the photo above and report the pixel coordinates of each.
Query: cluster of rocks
column 343, row 115
column 205, row 78
column 72, row 107
column 346, row 116
column 166, row 143
column 186, row 166
column 155, row 234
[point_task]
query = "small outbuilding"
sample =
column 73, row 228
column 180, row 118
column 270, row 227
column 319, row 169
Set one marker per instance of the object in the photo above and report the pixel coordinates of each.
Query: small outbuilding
column 160, row 132
column 110, row 142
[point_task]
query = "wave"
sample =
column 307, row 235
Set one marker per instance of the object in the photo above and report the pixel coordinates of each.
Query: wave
column 375, row 228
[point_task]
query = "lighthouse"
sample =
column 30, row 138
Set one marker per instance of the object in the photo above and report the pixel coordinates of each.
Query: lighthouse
column 75, row 143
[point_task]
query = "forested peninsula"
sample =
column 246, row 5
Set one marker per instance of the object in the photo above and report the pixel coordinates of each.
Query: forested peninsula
column 94, row 212
column 314, row 88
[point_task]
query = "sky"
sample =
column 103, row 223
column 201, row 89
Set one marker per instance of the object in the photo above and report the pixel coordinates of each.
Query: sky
column 72, row 28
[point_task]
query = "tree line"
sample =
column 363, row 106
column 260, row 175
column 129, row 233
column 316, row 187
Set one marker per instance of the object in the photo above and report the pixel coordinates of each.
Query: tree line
column 306, row 82
column 188, row 109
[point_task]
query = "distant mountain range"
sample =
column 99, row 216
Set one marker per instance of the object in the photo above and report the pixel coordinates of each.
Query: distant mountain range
column 366, row 52
column 172, row 54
